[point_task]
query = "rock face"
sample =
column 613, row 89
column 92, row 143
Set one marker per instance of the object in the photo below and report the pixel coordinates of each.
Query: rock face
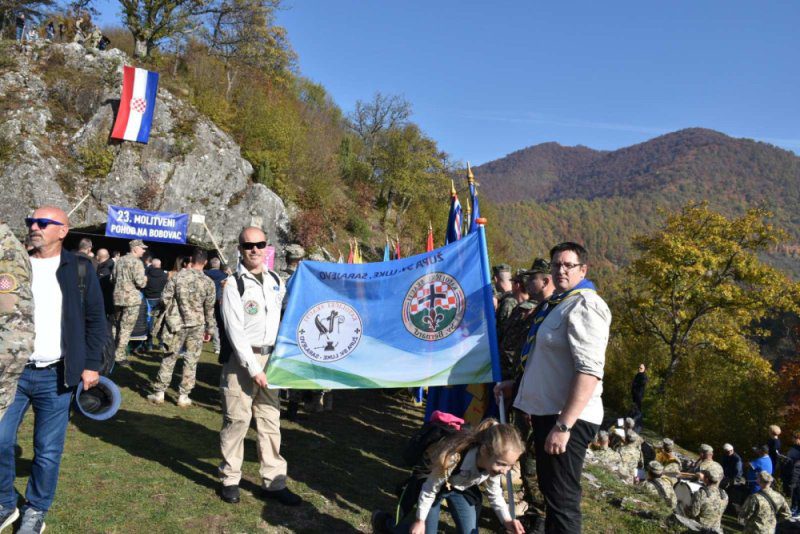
column 57, row 107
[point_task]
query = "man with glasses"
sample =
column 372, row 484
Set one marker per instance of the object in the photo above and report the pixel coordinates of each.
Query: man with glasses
column 129, row 279
column 16, row 314
column 70, row 332
column 562, row 384
column 251, row 312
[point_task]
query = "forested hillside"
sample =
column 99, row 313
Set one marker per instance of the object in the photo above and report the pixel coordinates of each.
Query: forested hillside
column 549, row 193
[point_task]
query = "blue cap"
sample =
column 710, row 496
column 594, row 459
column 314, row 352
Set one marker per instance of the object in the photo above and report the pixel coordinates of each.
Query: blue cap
column 100, row 402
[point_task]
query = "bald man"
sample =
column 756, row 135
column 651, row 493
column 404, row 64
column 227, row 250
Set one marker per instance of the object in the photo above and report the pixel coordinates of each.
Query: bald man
column 251, row 311
column 70, row 332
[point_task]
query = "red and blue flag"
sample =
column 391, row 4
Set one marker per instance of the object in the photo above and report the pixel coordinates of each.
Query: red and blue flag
column 136, row 106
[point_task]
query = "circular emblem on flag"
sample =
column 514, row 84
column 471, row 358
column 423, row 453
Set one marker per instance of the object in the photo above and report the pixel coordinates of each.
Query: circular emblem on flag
column 329, row 331
column 8, row 283
column 434, row 306
column 251, row 307
column 138, row 104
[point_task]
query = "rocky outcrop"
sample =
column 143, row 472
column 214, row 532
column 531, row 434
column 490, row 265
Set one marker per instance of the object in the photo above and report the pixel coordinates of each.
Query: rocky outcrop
column 57, row 108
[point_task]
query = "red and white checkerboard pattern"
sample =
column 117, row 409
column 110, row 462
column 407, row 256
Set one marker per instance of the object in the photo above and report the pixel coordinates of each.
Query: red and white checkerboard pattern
column 422, row 302
column 139, row 104
column 6, row 282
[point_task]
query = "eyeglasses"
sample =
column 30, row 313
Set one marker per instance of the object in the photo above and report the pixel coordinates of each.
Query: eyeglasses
column 41, row 222
column 566, row 266
column 250, row 246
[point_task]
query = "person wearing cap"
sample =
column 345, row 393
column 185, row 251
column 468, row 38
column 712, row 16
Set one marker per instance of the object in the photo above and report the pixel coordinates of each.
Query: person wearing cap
column 538, row 287
column 605, row 455
column 709, row 502
column 193, row 294
column 705, row 459
column 251, row 320
column 294, row 255
column 731, row 466
column 561, row 387
column 631, row 456
column 69, row 334
column 511, row 339
column 657, row 484
column 665, row 455
column 505, row 296
column 761, row 511
column 130, row 279
column 762, row 462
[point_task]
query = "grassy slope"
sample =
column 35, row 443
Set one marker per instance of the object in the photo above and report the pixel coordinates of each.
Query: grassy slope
column 153, row 469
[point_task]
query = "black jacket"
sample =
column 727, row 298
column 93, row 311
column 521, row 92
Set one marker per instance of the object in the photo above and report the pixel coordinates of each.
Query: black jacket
column 156, row 280
column 83, row 325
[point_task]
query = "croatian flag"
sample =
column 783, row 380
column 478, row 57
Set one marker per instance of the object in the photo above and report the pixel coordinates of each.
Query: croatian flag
column 136, row 106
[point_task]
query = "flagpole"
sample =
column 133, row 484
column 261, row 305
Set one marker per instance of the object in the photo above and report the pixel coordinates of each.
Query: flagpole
column 492, row 326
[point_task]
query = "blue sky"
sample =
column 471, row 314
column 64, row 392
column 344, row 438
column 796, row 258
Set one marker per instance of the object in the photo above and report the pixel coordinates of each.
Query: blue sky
column 488, row 78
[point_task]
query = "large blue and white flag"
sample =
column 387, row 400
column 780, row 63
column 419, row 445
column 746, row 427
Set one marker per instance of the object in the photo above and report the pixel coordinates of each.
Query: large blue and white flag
column 418, row 321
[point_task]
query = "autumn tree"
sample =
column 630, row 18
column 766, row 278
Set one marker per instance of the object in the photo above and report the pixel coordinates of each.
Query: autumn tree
column 152, row 21
column 689, row 306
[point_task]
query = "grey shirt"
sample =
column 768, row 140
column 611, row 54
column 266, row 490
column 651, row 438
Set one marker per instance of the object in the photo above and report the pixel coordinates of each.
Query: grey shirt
column 572, row 339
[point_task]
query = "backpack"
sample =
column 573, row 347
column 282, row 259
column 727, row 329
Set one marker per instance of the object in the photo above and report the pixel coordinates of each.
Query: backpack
column 415, row 456
column 109, row 348
column 225, row 346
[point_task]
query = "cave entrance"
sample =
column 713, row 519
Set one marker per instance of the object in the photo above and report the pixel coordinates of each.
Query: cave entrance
column 168, row 253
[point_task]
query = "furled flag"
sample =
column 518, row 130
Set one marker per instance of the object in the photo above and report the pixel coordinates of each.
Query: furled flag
column 387, row 255
column 454, row 219
column 423, row 320
column 397, row 254
column 475, row 212
column 136, row 106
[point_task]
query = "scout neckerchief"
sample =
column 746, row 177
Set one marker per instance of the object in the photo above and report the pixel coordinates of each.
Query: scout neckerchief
column 543, row 310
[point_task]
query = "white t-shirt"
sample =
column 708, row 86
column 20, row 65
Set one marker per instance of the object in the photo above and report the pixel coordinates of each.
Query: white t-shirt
column 47, row 311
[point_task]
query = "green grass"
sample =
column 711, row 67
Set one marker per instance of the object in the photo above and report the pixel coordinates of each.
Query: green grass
column 153, row 469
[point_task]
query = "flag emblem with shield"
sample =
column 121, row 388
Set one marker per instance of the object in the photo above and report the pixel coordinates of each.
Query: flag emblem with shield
column 434, row 306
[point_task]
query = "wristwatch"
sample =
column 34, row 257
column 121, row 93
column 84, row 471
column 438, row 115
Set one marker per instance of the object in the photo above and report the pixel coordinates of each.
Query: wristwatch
column 561, row 427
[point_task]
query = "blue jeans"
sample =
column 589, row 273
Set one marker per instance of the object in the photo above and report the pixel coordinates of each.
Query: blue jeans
column 20, row 31
column 465, row 514
column 43, row 390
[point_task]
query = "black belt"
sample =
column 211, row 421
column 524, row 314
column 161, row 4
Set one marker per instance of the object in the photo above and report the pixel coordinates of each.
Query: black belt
column 32, row 365
column 263, row 350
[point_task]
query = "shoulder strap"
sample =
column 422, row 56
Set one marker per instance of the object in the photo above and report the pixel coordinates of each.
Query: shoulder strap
column 239, row 283
column 660, row 489
column 770, row 501
column 82, row 279
column 275, row 277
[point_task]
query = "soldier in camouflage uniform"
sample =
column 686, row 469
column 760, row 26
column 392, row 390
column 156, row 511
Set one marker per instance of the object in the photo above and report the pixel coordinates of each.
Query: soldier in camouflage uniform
column 705, row 461
column 667, row 457
column 605, row 455
column 761, row 511
column 631, row 455
column 539, row 287
column 657, row 484
column 129, row 281
column 515, row 331
column 709, row 502
column 294, row 254
column 506, row 300
column 194, row 296
column 16, row 314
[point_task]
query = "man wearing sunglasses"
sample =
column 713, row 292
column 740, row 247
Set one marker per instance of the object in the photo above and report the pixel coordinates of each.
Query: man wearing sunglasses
column 251, row 313
column 70, row 332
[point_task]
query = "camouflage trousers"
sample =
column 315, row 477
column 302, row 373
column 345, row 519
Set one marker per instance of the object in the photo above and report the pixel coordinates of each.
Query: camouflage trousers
column 11, row 365
column 190, row 338
column 527, row 463
column 126, row 321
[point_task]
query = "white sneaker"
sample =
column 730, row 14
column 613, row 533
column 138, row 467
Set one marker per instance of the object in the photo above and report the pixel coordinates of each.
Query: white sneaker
column 156, row 398
column 7, row 517
column 184, row 401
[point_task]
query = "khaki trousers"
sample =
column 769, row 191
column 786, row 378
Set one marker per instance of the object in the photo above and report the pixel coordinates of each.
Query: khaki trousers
column 241, row 401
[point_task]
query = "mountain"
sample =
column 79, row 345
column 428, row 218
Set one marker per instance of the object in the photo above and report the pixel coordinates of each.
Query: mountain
column 549, row 193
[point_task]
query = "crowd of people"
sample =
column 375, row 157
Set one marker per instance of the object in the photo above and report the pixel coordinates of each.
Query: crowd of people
column 84, row 31
column 57, row 309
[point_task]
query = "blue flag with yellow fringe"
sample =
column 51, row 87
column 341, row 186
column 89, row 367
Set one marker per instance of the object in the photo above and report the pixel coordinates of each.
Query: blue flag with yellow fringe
column 418, row 321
